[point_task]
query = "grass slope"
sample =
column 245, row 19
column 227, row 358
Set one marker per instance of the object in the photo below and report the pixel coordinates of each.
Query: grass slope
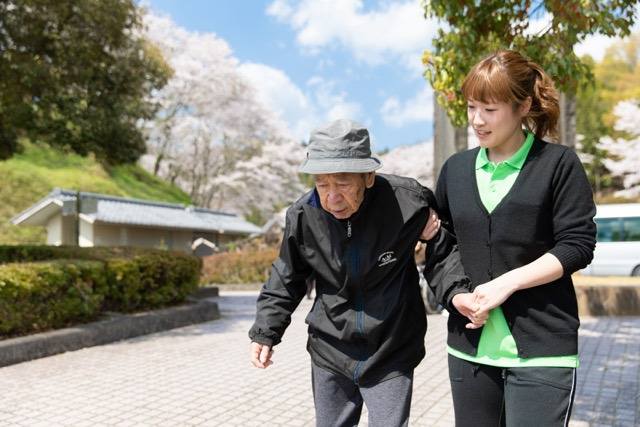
column 31, row 175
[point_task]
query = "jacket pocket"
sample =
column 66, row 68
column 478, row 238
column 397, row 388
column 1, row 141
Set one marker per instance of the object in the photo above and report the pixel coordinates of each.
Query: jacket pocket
column 317, row 306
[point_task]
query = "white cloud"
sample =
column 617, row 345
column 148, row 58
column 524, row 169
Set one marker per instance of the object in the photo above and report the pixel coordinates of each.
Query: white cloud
column 395, row 30
column 537, row 25
column 596, row 45
column 301, row 110
column 334, row 105
column 418, row 109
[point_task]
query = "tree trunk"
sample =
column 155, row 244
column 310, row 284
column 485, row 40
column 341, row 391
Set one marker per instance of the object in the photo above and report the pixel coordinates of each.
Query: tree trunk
column 567, row 124
column 447, row 139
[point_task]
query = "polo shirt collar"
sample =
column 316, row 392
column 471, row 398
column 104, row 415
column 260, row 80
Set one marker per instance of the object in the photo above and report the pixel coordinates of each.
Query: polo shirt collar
column 516, row 161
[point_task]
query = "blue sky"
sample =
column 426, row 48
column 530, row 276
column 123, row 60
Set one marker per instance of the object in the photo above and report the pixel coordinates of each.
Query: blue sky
column 314, row 61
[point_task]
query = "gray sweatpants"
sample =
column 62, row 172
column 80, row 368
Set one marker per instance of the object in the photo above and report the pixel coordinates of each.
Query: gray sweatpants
column 338, row 400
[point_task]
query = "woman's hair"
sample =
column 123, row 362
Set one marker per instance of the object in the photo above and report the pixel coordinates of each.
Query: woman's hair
column 507, row 76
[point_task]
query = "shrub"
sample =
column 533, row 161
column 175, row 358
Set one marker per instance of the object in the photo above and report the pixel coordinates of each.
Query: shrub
column 77, row 284
column 48, row 295
column 238, row 267
column 151, row 280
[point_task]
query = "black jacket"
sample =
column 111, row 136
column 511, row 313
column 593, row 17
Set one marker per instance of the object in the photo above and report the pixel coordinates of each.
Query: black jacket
column 549, row 209
column 368, row 320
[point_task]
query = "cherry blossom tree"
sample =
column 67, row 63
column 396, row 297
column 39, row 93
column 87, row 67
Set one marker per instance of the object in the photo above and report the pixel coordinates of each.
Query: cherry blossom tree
column 211, row 130
column 415, row 161
column 624, row 150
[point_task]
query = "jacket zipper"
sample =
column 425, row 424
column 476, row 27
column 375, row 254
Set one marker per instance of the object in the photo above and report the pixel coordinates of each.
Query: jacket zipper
column 359, row 307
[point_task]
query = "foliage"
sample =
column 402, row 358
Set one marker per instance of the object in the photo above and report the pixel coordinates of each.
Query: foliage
column 212, row 138
column 236, row 267
column 45, row 287
column 477, row 28
column 77, row 75
column 40, row 296
column 150, row 280
column 618, row 74
column 591, row 110
column 616, row 77
column 31, row 175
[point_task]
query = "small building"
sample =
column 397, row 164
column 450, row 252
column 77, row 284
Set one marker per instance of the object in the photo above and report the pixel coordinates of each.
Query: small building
column 89, row 219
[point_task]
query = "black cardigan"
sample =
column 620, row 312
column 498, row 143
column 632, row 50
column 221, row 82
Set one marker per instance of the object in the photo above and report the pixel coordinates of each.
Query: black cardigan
column 549, row 209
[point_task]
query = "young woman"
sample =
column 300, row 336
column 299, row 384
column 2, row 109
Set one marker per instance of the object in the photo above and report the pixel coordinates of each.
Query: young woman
column 522, row 211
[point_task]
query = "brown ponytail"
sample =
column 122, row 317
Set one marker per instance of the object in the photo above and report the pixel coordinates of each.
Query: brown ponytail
column 545, row 107
column 507, row 76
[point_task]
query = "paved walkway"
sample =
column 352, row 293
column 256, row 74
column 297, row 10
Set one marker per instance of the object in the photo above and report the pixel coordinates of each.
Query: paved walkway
column 201, row 375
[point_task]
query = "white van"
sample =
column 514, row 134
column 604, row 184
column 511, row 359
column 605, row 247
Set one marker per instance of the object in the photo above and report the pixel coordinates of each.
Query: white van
column 618, row 241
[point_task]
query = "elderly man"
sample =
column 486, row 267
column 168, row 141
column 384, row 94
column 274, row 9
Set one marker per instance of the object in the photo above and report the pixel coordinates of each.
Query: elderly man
column 356, row 233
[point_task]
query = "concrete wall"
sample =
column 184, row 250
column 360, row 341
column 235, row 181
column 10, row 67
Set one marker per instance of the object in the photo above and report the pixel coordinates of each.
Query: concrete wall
column 121, row 235
column 61, row 230
column 608, row 300
column 54, row 231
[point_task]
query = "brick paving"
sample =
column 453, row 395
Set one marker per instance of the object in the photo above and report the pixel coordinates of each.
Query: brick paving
column 201, row 375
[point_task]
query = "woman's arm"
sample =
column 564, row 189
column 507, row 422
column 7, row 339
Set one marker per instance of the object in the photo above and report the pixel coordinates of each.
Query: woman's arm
column 489, row 295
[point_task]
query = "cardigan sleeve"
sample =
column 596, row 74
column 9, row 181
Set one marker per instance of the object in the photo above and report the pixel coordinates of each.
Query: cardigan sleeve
column 573, row 211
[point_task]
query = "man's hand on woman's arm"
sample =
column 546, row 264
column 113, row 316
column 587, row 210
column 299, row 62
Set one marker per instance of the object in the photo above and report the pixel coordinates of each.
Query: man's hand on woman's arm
column 432, row 227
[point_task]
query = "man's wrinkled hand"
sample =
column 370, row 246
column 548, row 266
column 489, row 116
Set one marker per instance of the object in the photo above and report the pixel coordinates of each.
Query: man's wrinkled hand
column 432, row 227
column 261, row 355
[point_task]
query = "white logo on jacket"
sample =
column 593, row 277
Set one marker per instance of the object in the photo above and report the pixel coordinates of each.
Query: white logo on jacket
column 386, row 258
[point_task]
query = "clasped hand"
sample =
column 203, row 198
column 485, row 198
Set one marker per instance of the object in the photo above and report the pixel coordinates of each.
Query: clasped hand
column 475, row 305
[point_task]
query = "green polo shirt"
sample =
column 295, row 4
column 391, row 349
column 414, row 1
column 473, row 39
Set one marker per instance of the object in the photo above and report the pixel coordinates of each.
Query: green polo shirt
column 497, row 346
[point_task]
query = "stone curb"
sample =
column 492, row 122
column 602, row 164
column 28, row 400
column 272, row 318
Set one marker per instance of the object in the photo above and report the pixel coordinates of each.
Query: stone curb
column 119, row 327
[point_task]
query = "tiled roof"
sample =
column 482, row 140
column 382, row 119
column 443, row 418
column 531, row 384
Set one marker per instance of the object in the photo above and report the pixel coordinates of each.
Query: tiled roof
column 118, row 210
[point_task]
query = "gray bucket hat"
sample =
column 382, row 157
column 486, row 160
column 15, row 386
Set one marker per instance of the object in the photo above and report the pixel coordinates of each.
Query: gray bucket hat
column 340, row 146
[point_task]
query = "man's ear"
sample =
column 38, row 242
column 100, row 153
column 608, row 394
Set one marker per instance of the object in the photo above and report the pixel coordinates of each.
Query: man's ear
column 369, row 178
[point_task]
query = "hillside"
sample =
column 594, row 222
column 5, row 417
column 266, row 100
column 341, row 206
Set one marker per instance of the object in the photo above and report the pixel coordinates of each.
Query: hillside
column 31, row 175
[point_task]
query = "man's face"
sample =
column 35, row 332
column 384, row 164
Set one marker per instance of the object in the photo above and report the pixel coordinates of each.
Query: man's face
column 341, row 194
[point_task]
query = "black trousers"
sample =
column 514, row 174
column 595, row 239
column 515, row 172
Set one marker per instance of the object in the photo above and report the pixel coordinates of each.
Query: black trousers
column 514, row 397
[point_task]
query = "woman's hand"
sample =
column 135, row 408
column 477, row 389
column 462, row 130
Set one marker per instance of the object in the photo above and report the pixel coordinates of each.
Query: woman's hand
column 466, row 305
column 491, row 295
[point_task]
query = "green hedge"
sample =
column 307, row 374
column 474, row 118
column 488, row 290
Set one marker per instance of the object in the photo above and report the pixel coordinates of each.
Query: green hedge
column 44, row 287
column 49, row 295
column 234, row 267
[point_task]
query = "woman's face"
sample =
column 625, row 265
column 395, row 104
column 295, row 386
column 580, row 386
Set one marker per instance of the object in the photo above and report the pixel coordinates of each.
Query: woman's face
column 497, row 125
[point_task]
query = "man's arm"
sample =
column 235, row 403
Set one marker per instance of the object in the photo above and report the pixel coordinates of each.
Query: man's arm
column 444, row 270
column 278, row 298
column 443, row 267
